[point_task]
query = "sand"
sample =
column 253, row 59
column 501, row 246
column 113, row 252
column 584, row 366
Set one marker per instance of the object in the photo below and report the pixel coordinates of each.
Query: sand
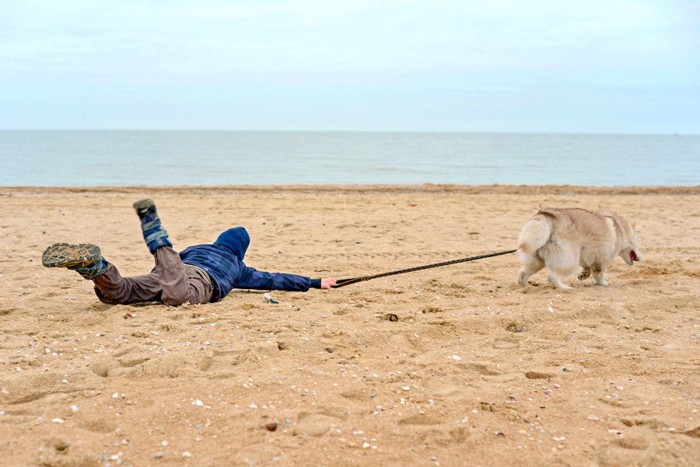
column 475, row 371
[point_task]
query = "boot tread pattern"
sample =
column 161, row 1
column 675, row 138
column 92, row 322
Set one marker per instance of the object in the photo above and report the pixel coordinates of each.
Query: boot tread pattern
column 64, row 255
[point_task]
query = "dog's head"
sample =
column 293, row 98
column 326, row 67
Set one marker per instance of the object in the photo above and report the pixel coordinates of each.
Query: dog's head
column 630, row 249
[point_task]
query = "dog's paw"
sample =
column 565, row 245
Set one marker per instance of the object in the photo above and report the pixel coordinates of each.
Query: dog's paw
column 585, row 274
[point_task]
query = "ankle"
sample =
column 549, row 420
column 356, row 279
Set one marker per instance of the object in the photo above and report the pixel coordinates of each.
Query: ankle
column 157, row 240
column 92, row 271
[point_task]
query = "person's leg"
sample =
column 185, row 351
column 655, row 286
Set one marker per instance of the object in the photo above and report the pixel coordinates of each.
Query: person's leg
column 201, row 286
column 113, row 289
column 170, row 271
column 178, row 283
column 110, row 286
column 172, row 282
column 171, row 276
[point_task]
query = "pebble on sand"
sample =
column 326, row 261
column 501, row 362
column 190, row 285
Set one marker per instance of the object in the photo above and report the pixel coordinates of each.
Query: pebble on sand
column 271, row 426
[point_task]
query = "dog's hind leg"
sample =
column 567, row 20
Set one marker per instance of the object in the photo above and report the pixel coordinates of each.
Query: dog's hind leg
column 555, row 280
column 599, row 275
column 531, row 264
column 557, row 274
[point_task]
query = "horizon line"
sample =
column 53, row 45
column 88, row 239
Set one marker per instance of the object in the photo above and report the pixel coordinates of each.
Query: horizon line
column 496, row 132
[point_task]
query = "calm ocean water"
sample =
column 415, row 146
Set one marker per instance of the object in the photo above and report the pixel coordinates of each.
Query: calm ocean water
column 93, row 158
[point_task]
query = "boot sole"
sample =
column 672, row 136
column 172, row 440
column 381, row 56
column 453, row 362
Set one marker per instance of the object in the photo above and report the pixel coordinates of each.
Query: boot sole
column 143, row 204
column 65, row 255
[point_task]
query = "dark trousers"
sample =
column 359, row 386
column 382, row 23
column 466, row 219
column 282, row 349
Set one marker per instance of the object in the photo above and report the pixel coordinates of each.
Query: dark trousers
column 172, row 283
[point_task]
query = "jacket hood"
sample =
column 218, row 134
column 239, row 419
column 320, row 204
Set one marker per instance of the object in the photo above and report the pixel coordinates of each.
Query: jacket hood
column 236, row 240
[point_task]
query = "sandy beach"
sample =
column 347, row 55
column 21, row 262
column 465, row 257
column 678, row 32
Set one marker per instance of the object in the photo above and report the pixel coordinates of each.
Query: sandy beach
column 474, row 371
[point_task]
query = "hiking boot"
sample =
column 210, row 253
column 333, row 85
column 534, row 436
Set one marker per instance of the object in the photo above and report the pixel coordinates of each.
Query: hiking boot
column 154, row 234
column 84, row 258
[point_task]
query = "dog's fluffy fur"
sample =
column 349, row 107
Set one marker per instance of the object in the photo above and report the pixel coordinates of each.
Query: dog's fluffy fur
column 564, row 239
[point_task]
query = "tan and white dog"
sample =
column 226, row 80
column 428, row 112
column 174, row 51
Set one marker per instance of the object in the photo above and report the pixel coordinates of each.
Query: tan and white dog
column 564, row 239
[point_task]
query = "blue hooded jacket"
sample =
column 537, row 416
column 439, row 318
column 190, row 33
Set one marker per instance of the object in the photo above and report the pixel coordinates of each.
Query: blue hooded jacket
column 223, row 260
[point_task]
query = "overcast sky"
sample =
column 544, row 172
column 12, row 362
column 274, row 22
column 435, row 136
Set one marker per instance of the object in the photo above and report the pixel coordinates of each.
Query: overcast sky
column 610, row 66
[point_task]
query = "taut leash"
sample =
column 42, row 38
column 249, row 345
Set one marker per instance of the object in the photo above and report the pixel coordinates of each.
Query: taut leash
column 354, row 280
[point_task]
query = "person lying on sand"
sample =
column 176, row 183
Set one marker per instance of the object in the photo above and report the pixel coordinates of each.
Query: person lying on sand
column 198, row 274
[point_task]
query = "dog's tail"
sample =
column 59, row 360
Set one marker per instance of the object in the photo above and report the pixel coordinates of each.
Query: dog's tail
column 534, row 234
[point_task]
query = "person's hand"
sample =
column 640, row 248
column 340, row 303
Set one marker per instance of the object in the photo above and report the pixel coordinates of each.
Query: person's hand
column 327, row 282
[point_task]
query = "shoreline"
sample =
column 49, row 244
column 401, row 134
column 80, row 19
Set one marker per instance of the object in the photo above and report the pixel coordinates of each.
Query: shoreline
column 380, row 188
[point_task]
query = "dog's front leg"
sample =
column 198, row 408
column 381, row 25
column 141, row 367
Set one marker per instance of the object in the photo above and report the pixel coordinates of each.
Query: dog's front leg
column 585, row 274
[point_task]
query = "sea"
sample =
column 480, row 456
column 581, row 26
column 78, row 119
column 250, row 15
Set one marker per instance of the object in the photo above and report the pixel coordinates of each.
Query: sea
column 60, row 158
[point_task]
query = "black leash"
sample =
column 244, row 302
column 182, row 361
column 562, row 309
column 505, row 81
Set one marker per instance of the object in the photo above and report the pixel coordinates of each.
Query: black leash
column 354, row 280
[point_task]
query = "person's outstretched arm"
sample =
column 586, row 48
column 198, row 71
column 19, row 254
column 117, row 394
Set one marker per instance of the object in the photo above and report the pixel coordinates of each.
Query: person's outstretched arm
column 260, row 280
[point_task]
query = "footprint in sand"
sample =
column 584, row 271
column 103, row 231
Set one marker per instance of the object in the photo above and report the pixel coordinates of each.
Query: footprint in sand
column 315, row 424
column 421, row 420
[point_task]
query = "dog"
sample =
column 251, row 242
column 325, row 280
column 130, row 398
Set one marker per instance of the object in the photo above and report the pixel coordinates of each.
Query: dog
column 564, row 239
